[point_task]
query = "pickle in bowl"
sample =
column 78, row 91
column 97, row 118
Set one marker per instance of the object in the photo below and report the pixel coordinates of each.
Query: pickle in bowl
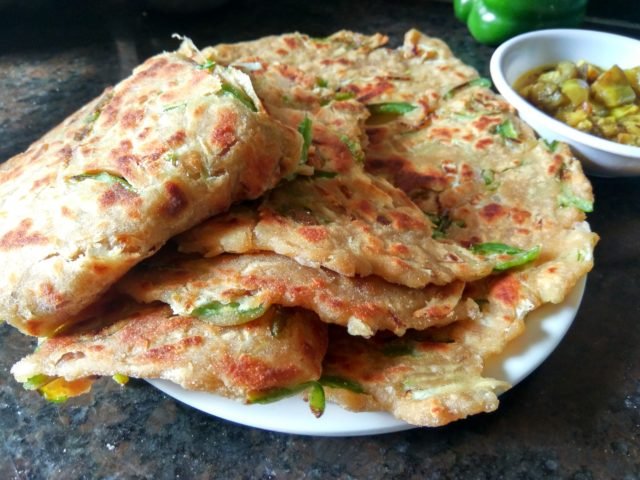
column 605, row 103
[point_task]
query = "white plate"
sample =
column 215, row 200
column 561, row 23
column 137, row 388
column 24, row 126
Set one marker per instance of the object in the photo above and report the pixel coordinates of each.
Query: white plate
column 545, row 328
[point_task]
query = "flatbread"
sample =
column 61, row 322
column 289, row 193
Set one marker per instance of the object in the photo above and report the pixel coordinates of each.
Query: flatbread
column 353, row 224
column 230, row 289
column 149, row 341
column 156, row 154
column 295, row 97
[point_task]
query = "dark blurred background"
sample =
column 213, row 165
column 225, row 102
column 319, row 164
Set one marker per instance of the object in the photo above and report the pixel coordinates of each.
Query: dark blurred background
column 125, row 32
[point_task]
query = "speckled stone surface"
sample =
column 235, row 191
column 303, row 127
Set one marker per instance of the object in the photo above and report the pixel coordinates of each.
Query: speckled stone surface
column 576, row 417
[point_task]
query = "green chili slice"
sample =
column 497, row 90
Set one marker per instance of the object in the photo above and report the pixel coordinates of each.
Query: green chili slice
column 518, row 259
column 340, row 96
column 316, row 396
column 569, row 199
column 305, row 130
column 382, row 113
column 495, row 248
column 515, row 256
column 476, row 82
column 207, row 65
column 507, row 130
column 104, row 177
column 354, row 148
column 231, row 91
column 317, row 401
column 227, row 314
column 393, row 108
column 334, row 381
column 274, row 394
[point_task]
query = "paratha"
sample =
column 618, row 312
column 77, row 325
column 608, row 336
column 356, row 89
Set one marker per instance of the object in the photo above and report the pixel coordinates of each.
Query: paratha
column 353, row 224
column 449, row 170
column 149, row 341
column 164, row 149
column 232, row 289
column 506, row 189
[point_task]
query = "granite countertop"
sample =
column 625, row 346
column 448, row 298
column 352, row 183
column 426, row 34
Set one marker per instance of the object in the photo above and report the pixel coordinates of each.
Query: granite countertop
column 577, row 416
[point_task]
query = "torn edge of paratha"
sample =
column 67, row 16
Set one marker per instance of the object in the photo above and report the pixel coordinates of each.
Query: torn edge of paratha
column 423, row 381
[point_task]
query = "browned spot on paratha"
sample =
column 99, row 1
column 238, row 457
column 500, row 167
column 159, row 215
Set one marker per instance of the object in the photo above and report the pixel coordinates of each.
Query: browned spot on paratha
column 22, row 236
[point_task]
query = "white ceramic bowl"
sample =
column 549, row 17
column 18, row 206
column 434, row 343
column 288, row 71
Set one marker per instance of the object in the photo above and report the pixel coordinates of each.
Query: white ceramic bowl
column 543, row 47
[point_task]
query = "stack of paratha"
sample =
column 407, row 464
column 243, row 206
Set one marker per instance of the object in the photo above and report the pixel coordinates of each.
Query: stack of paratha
column 352, row 221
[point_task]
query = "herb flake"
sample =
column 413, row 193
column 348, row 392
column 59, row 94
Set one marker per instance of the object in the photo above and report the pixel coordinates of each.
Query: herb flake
column 551, row 146
column 306, row 131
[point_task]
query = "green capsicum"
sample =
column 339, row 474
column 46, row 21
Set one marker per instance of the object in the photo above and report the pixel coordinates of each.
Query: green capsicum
column 493, row 21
